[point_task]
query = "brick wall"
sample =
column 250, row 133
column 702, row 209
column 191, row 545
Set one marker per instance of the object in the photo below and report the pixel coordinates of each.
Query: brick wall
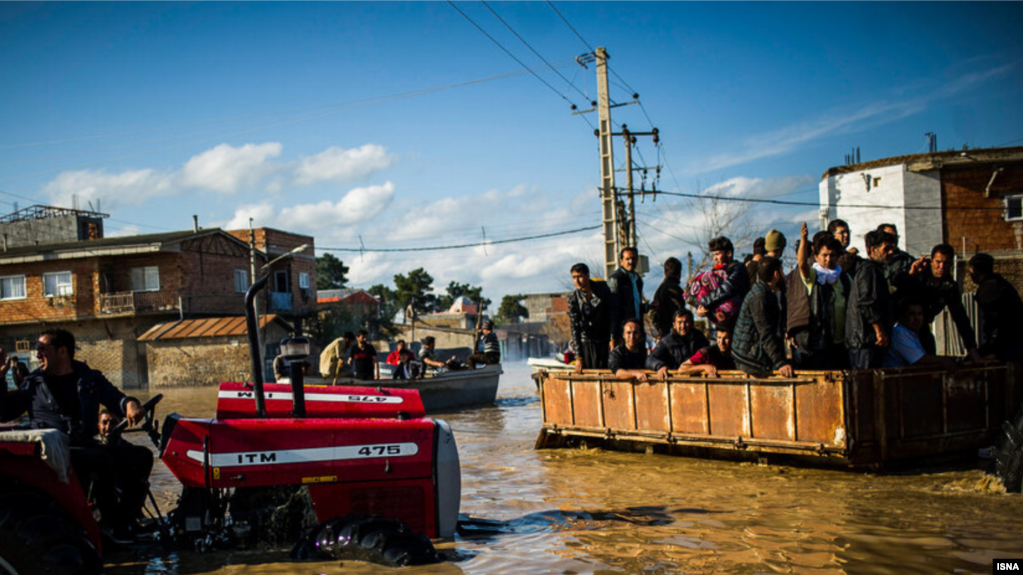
column 983, row 229
column 36, row 307
column 207, row 275
column 277, row 242
column 192, row 362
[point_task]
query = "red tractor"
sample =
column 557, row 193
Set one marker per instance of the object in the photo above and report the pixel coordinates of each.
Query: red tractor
column 359, row 470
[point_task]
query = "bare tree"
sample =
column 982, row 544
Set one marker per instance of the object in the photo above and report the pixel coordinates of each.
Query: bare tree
column 721, row 218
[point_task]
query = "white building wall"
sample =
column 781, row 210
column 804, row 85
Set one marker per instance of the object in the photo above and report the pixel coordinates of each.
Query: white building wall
column 886, row 186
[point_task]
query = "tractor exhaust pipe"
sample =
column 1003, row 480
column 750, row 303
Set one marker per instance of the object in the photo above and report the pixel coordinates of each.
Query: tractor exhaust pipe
column 253, row 329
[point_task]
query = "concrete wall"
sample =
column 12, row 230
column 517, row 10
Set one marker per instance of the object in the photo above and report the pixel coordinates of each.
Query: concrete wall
column 51, row 230
column 919, row 230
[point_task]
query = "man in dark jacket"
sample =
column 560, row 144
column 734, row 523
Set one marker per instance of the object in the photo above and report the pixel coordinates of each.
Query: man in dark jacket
column 737, row 282
column 669, row 298
column 676, row 347
column 627, row 286
column 868, row 323
column 899, row 261
column 1000, row 308
column 592, row 314
column 758, row 347
column 931, row 285
column 66, row 395
column 628, row 360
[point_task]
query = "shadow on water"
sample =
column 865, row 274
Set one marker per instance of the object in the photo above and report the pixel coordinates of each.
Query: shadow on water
column 475, row 528
column 516, row 401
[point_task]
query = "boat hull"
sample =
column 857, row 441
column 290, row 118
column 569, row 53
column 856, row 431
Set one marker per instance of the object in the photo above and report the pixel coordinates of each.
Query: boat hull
column 447, row 391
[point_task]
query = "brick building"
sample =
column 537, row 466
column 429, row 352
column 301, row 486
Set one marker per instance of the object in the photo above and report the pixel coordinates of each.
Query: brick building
column 109, row 291
column 971, row 199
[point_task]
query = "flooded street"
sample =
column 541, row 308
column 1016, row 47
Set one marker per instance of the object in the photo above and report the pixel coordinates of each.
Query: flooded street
column 591, row 511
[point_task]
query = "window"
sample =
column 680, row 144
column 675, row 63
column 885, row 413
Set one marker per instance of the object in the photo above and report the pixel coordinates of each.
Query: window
column 282, row 283
column 57, row 283
column 12, row 287
column 1013, row 208
column 145, row 279
column 241, row 281
column 303, row 280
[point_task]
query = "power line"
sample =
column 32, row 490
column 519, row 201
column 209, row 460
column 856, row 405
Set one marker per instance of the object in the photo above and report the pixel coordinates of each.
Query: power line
column 528, row 45
column 565, row 20
column 461, row 246
column 810, row 204
column 508, row 52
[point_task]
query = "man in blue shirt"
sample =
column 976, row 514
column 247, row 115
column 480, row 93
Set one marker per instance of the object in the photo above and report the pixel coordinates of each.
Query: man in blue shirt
column 906, row 349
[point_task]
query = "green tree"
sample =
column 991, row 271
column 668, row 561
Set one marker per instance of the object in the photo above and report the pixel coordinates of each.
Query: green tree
column 511, row 310
column 330, row 272
column 456, row 290
column 415, row 288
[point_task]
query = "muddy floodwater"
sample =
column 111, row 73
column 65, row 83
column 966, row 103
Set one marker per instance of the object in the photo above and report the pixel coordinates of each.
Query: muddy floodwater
column 592, row 511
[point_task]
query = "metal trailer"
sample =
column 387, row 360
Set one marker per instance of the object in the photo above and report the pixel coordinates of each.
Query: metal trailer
column 858, row 418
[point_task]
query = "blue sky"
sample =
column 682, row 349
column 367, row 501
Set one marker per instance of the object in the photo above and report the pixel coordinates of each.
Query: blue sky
column 370, row 120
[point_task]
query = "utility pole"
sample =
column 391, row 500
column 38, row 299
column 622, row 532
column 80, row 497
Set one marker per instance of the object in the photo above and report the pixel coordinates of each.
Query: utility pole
column 252, row 280
column 608, row 197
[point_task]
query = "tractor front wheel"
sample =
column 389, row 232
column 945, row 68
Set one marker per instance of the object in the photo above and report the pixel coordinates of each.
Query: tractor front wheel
column 372, row 539
column 1009, row 454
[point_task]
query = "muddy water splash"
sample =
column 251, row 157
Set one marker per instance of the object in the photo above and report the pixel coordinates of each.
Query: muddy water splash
column 592, row 511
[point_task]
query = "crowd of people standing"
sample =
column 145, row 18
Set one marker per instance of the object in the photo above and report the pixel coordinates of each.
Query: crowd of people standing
column 836, row 309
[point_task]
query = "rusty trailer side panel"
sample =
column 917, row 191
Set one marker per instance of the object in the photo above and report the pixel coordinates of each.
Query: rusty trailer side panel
column 867, row 417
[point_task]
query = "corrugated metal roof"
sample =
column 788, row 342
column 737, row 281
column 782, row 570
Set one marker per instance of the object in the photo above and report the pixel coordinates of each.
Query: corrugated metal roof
column 205, row 327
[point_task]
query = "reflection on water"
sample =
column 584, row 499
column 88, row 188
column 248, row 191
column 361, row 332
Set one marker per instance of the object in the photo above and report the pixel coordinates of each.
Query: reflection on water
column 591, row 511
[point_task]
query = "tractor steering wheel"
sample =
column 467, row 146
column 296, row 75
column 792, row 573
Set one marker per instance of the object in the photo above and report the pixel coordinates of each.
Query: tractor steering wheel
column 148, row 409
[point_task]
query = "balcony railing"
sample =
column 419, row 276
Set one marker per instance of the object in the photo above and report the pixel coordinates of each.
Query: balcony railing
column 136, row 301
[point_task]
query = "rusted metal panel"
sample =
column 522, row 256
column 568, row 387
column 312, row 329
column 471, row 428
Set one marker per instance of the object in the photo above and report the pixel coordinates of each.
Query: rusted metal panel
column 771, row 414
column 652, row 407
column 820, row 415
column 557, row 404
column 586, row 398
column 619, row 407
column 728, row 415
column 689, row 408
column 869, row 417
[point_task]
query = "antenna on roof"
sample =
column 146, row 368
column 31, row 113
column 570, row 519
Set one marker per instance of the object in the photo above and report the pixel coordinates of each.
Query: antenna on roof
column 932, row 142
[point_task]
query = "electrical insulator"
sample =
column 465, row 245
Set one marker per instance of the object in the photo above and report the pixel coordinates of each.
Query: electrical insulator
column 574, row 107
column 635, row 96
column 593, row 103
column 656, row 135
column 596, row 133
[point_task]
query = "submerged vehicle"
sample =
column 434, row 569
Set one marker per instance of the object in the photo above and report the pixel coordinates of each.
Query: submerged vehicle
column 361, row 472
column 873, row 418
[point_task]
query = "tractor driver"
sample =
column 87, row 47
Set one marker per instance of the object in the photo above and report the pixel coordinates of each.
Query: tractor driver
column 66, row 394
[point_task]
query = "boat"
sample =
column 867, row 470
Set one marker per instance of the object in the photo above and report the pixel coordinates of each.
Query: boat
column 870, row 418
column 441, row 391
column 548, row 363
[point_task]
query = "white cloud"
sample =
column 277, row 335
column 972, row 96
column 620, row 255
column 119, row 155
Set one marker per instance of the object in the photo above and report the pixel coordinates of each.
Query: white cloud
column 358, row 205
column 341, row 165
column 108, row 191
column 263, row 215
column 226, row 169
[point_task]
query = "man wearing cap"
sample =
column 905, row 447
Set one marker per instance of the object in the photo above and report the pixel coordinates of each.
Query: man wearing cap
column 491, row 354
column 774, row 244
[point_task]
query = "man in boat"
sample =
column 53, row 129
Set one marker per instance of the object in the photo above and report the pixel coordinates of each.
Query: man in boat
column 406, row 368
column 758, row 347
column 906, row 348
column 394, row 358
column 66, row 394
column 593, row 315
column 628, row 360
column 817, row 291
column 1001, row 309
column 428, row 357
column 627, row 286
column 713, row 358
column 362, row 357
column 850, row 255
column 491, row 354
column 899, row 261
column 737, row 280
column 669, row 298
column 930, row 284
column 676, row 347
column 868, row 314
column 332, row 359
